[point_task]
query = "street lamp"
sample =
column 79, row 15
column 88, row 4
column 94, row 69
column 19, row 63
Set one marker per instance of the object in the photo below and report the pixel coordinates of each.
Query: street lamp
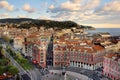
column 63, row 71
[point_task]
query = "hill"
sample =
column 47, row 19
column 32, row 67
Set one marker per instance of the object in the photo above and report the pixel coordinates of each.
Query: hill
column 28, row 22
column 15, row 20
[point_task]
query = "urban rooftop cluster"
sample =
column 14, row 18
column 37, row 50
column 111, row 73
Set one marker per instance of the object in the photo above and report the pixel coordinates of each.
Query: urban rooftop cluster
column 67, row 48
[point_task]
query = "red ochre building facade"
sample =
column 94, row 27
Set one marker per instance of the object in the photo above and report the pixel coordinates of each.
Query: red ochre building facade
column 77, row 54
column 111, row 66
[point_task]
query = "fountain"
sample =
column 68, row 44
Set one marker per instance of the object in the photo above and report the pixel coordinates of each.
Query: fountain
column 65, row 77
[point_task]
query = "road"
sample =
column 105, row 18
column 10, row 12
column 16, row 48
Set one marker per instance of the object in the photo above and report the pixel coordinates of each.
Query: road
column 36, row 74
column 50, row 52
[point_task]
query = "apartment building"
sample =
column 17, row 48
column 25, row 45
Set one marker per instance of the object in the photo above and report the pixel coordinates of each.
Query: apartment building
column 36, row 45
column 18, row 43
column 111, row 66
column 77, row 53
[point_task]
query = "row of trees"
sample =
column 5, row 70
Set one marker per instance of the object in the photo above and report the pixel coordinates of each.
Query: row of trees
column 9, row 69
column 20, row 59
column 5, row 64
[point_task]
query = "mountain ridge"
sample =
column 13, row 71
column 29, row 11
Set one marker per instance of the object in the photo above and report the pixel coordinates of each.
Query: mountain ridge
column 29, row 22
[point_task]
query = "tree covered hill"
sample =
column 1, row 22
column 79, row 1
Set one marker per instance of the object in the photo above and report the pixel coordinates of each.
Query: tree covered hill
column 28, row 22
column 14, row 20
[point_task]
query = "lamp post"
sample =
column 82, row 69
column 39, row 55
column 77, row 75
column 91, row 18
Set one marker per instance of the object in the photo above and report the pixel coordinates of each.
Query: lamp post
column 64, row 73
column 63, row 70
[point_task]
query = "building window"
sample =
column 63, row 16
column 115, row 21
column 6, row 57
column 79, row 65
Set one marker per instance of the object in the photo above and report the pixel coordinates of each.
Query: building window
column 119, row 70
column 41, row 62
column 41, row 56
column 41, row 53
column 41, row 59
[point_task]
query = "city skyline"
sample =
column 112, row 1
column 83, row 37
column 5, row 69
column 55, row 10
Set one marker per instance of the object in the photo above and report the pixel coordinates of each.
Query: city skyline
column 96, row 13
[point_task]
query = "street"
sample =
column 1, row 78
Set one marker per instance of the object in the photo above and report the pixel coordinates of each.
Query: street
column 36, row 74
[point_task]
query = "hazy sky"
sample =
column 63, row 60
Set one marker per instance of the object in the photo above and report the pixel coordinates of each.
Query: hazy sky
column 96, row 13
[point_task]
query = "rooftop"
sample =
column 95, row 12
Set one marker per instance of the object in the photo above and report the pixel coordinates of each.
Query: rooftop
column 114, row 56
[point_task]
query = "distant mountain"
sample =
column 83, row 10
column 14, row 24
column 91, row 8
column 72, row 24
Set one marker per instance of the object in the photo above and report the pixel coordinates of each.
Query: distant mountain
column 87, row 27
column 28, row 22
column 15, row 20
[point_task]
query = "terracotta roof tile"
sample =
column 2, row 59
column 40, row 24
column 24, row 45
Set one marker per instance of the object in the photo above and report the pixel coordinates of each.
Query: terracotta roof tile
column 115, row 55
column 97, row 47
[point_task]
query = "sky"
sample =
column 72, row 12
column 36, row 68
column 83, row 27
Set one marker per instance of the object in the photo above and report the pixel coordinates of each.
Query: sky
column 96, row 13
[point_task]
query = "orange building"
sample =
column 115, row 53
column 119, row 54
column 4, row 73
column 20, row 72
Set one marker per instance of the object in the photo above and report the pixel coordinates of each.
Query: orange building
column 39, row 55
column 36, row 47
column 78, row 53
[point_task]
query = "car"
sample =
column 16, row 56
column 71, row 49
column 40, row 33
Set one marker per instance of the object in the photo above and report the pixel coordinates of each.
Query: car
column 25, row 77
column 35, row 62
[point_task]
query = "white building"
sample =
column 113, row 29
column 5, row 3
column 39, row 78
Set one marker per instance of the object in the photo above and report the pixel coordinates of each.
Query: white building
column 18, row 43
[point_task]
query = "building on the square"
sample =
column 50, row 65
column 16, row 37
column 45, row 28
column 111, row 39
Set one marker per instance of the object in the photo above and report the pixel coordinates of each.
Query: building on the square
column 111, row 66
column 76, row 53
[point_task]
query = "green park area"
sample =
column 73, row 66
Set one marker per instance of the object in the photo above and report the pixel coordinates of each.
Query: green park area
column 17, row 55
column 20, row 59
column 7, row 70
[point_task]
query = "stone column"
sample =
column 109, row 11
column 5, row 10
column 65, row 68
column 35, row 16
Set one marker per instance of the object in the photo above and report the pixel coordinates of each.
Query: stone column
column 80, row 64
column 77, row 64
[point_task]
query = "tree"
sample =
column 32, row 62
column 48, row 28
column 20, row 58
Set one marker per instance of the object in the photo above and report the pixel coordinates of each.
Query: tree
column 13, row 70
column 23, row 61
column 11, row 41
column 6, row 38
column 1, row 55
column 2, row 69
column 4, row 62
column 3, row 52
